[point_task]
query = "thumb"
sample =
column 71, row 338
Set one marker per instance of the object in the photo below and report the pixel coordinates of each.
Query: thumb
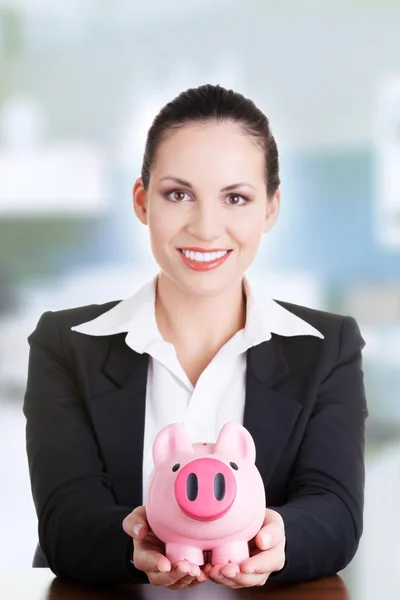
column 135, row 524
column 272, row 531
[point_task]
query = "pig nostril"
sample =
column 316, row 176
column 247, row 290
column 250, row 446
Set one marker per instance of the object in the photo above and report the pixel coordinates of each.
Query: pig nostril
column 219, row 486
column 192, row 486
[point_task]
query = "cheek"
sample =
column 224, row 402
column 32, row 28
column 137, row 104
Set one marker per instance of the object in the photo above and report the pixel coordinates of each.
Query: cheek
column 248, row 231
column 162, row 228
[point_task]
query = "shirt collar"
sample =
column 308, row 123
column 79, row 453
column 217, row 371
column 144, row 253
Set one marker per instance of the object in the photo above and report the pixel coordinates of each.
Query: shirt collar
column 135, row 315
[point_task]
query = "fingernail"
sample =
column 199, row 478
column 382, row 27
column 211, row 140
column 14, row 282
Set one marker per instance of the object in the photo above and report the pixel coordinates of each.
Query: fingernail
column 136, row 528
column 266, row 540
column 182, row 570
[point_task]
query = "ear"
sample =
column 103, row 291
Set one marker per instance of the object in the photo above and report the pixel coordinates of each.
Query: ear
column 140, row 201
column 273, row 207
column 235, row 440
column 170, row 442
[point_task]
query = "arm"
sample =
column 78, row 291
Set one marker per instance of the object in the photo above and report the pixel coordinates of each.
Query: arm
column 324, row 514
column 80, row 524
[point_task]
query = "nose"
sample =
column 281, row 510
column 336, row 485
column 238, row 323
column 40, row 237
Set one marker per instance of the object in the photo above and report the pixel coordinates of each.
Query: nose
column 205, row 224
column 205, row 489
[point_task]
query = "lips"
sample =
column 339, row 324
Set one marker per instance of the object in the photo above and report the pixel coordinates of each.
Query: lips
column 198, row 259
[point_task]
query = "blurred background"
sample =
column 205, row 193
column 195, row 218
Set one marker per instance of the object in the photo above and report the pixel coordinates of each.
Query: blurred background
column 81, row 81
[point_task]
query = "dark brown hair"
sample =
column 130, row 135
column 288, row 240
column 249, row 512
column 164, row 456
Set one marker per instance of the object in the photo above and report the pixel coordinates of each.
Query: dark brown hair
column 213, row 102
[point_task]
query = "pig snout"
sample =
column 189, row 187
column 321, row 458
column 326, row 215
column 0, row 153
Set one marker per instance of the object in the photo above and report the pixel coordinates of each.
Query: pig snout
column 205, row 489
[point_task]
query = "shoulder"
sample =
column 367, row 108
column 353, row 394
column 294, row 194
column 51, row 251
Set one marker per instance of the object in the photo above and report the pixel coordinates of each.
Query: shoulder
column 342, row 334
column 326, row 322
column 62, row 320
column 70, row 317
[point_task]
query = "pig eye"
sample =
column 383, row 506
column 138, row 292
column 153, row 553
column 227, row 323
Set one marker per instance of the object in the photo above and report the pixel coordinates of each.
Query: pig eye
column 234, row 466
column 176, row 467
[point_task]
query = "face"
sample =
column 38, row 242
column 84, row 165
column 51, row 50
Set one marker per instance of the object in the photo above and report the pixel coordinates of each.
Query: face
column 206, row 206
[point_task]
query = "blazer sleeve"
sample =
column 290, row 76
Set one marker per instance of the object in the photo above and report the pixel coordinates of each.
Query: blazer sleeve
column 323, row 516
column 79, row 522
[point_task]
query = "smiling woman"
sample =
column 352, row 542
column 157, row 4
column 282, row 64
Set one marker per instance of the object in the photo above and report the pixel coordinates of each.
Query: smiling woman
column 212, row 223
column 197, row 345
column 221, row 203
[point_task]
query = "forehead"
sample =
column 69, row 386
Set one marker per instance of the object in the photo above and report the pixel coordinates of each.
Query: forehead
column 210, row 148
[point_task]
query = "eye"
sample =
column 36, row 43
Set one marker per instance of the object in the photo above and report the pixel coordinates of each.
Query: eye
column 234, row 466
column 176, row 467
column 175, row 193
column 237, row 198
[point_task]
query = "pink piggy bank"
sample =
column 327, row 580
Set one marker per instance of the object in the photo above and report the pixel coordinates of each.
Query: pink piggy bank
column 205, row 496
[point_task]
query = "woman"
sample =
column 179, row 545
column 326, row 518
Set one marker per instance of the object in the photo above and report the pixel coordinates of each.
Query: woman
column 198, row 345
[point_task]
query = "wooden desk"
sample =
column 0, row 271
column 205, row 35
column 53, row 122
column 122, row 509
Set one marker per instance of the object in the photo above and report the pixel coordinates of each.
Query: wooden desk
column 41, row 584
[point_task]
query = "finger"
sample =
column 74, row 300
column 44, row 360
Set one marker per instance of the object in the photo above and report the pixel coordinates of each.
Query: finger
column 135, row 524
column 202, row 578
column 236, row 579
column 179, row 570
column 195, row 570
column 218, row 577
column 269, row 536
column 272, row 516
column 196, row 582
column 265, row 562
column 189, row 581
column 186, row 568
column 185, row 581
column 139, row 511
column 150, row 560
column 230, row 570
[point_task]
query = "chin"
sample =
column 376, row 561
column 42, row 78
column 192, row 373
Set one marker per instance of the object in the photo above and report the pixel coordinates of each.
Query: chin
column 205, row 285
column 201, row 284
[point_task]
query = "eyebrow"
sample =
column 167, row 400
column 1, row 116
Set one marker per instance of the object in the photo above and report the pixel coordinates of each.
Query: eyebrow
column 227, row 188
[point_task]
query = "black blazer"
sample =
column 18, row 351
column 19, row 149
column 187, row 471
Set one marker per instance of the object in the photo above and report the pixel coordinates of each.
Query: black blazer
column 305, row 407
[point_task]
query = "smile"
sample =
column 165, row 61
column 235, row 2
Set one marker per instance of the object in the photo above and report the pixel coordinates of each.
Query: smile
column 203, row 256
column 203, row 261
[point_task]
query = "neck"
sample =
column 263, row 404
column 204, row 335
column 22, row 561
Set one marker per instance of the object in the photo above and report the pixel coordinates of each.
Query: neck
column 210, row 320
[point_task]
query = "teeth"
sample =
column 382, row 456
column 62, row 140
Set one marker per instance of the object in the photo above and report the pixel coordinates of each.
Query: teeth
column 204, row 256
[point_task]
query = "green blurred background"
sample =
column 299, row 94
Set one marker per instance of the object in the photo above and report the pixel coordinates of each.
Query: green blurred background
column 80, row 83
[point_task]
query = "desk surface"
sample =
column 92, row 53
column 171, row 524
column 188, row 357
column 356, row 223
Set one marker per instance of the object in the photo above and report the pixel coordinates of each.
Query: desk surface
column 41, row 584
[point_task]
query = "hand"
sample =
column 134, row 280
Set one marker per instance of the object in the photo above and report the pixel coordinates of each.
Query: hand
column 149, row 556
column 267, row 554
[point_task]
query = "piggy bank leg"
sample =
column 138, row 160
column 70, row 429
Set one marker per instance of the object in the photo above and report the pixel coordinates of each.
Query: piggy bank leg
column 230, row 552
column 176, row 552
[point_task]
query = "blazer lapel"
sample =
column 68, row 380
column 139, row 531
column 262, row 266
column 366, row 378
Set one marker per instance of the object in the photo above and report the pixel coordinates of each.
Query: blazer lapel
column 118, row 417
column 119, row 414
column 269, row 414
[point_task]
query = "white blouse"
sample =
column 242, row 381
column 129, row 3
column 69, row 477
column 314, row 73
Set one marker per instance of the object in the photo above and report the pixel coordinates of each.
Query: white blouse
column 219, row 394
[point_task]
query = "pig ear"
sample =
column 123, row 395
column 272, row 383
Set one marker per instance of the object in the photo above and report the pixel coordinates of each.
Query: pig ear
column 234, row 440
column 171, row 441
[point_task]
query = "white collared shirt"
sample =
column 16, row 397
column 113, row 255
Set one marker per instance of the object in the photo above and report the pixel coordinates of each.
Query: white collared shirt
column 219, row 394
